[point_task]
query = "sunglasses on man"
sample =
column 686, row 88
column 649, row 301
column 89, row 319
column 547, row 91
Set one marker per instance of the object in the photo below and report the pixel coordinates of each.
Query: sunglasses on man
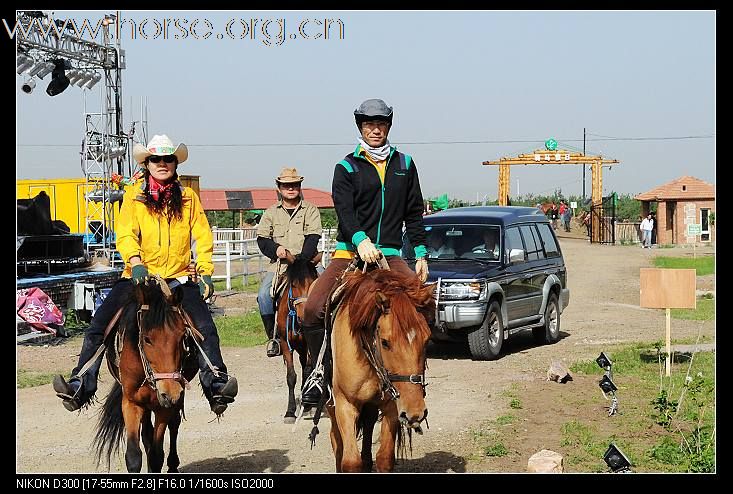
column 168, row 159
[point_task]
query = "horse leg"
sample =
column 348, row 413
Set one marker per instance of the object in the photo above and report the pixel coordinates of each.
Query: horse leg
column 387, row 438
column 175, row 422
column 346, row 417
column 368, row 418
column 336, row 441
column 157, row 455
column 132, row 414
column 292, row 378
column 146, row 434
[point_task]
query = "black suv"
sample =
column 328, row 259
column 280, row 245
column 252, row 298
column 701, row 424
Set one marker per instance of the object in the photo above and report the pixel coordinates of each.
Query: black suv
column 498, row 270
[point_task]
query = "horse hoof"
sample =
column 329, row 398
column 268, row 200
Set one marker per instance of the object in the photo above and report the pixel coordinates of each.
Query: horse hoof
column 289, row 420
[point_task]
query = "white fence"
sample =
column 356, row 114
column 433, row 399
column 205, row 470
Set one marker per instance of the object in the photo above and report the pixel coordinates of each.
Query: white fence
column 237, row 250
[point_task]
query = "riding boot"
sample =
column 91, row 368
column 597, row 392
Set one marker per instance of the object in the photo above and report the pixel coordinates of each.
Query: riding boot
column 273, row 345
column 314, row 384
column 77, row 392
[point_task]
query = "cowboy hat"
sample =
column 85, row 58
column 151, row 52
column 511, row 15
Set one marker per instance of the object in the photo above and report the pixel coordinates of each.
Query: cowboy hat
column 159, row 145
column 288, row 176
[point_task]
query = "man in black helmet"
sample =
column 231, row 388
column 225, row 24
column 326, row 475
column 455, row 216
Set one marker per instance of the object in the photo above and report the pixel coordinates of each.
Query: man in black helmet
column 375, row 190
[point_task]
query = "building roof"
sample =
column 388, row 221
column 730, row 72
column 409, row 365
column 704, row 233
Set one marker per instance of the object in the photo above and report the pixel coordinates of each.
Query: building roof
column 681, row 188
column 256, row 198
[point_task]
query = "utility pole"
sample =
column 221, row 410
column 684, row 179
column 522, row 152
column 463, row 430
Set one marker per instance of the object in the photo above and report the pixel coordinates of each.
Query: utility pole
column 583, row 165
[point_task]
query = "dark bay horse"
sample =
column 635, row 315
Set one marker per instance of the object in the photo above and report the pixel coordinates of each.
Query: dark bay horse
column 153, row 359
column 300, row 274
column 379, row 359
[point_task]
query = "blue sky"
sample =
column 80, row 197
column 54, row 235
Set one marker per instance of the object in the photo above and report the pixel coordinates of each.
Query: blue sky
column 451, row 77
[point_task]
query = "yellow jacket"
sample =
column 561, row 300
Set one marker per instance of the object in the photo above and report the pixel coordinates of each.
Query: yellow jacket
column 164, row 247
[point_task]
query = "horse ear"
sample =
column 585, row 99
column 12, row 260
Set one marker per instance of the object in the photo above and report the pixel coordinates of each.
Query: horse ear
column 382, row 301
column 177, row 295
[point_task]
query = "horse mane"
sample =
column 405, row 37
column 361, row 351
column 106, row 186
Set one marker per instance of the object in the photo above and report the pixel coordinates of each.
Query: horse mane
column 409, row 301
column 157, row 315
column 300, row 272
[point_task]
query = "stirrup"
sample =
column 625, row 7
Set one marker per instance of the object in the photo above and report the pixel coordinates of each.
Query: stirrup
column 273, row 348
column 64, row 391
column 227, row 393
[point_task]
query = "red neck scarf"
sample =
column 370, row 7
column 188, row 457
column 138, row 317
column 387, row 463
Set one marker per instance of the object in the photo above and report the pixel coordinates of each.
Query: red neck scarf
column 159, row 192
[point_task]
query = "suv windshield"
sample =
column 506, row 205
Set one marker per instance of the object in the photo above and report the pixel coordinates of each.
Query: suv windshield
column 481, row 242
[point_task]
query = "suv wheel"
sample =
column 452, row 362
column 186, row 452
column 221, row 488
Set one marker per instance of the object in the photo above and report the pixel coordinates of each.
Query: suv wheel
column 550, row 332
column 485, row 342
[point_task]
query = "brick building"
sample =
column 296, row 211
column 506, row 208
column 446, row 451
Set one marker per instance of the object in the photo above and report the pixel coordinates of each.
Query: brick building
column 680, row 202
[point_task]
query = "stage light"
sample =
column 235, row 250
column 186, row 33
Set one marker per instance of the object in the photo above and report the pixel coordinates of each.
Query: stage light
column 46, row 68
column 28, row 86
column 23, row 63
column 84, row 78
column 74, row 75
column 603, row 361
column 59, row 81
column 96, row 77
column 616, row 460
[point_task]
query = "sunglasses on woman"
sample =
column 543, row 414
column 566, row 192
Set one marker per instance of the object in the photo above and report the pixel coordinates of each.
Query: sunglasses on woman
column 168, row 159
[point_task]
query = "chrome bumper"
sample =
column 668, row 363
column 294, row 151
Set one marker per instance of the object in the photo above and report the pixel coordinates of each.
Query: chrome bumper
column 454, row 316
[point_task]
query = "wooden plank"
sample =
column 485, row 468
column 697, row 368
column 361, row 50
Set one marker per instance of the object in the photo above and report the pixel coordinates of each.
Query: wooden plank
column 667, row 288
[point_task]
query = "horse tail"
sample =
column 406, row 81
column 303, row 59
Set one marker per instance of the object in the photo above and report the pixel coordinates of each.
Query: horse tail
column 110, row 427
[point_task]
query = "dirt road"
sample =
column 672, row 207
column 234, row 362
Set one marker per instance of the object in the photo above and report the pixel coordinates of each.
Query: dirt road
column 251, row 436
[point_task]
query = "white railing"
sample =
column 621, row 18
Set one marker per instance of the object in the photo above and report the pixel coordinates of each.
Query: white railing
column 237, row 250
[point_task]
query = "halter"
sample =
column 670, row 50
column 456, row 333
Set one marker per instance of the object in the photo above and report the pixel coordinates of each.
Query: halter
column 374, row 356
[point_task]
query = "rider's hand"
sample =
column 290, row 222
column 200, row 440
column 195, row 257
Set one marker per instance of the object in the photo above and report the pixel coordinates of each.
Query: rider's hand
column 281, row 252
column 206, row 286
column 139, row 274
column 367, row 251
column 421, row 269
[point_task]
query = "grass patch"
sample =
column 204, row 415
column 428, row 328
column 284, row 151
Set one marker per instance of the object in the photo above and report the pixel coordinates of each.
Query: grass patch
column 497, row 449
column 702, row 265
column 241, row 331
column 705, row 311
column 238, row 285
column 505, row 419
column 515, row 404
column 30, row 379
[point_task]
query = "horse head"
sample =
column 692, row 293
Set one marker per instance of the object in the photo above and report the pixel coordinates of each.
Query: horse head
column 401, row 337
column 161, row 339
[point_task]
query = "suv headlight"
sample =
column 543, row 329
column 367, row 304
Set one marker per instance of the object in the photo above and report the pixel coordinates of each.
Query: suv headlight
column 461, row 291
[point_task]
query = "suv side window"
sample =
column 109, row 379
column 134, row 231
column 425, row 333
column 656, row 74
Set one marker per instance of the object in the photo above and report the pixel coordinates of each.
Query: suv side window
column 513, row 241
column 549, row 240
column 534, row 246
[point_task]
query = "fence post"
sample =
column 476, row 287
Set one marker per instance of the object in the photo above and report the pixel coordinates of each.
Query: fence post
column 229, row 266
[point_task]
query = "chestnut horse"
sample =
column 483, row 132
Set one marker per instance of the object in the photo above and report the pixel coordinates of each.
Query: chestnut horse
column 156, row 357
column 300, row 274
column 379, row 359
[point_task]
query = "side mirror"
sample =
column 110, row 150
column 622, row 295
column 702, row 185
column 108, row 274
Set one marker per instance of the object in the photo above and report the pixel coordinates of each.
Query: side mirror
column 516, row 255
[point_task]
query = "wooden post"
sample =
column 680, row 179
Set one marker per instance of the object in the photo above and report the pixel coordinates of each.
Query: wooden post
column 503, row 184
column 668, row 341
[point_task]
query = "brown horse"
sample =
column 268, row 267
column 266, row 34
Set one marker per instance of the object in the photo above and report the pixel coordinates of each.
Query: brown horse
column 379, row 359
column 301, row 273
column 154, row 366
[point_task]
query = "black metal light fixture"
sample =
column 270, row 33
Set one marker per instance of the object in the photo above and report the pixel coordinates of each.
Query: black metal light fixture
column 607, row 385
column 59, row 81
column 603, row 361
column 616, row 460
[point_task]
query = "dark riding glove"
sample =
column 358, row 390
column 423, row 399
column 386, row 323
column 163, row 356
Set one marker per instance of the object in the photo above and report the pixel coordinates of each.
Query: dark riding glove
column 139, row 274
column 206, row 286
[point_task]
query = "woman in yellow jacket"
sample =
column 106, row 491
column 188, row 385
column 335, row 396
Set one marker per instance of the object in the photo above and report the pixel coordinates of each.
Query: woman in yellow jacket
column 160, row 230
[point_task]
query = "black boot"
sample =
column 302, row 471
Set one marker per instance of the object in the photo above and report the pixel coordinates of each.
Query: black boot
column 273, row 345
column 314, row 384
column 78, row 392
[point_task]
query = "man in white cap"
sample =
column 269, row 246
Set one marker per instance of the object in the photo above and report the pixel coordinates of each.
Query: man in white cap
column 161, row 229
column 375, row 191
column 294, row 225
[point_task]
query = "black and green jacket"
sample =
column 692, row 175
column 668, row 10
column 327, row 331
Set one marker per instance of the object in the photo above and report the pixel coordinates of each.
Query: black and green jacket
column 368, row 208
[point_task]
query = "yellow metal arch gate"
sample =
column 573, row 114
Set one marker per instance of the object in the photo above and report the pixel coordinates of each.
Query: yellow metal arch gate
column 556, row 157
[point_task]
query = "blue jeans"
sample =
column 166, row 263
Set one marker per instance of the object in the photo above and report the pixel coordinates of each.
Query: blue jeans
column 264, row 300
column 647, row 238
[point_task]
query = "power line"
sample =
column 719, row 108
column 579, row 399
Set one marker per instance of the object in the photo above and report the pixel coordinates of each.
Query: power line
column 420, row 143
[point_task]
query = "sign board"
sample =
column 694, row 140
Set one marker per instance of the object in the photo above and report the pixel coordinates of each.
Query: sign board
column 667, row 288
column 573, row 204
column 551, row 144
column 693, row 229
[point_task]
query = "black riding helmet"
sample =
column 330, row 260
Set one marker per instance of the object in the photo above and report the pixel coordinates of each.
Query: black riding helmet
column 373, row 109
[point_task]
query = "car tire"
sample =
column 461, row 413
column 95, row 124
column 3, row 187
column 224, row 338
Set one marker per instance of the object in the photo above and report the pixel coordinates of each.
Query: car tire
column 549, row 332
column 486, row 341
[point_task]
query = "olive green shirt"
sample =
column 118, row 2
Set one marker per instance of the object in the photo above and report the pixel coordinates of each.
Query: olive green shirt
column 290, row 231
